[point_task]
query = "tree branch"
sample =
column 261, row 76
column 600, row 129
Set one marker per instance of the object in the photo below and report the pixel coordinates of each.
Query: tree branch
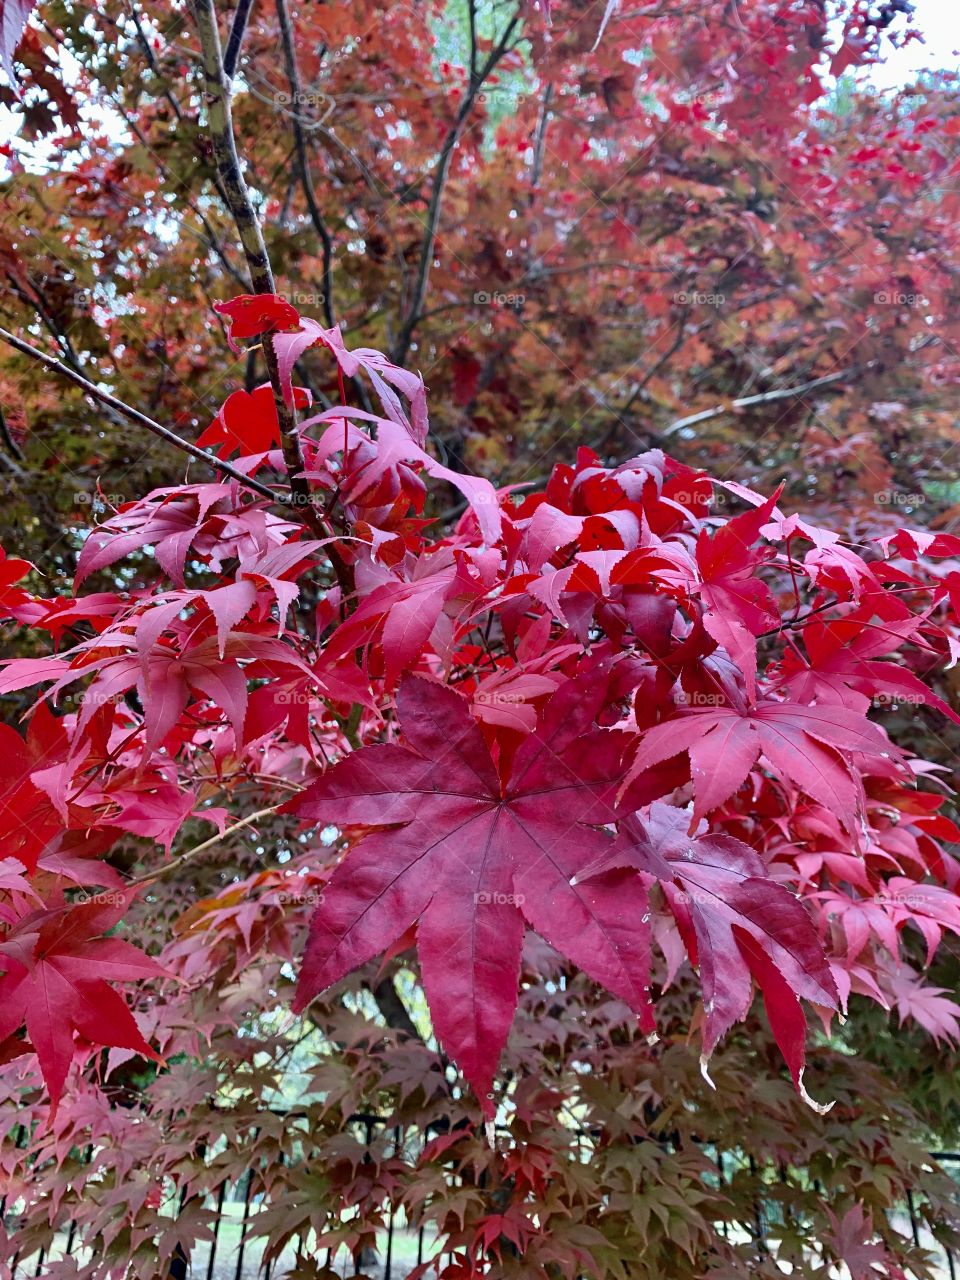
column 208, row 236
column 127, row 411
column 8, row 439
column 539, row 145
column 799, row 622
column 35, row 300
column 235, row 39
column 144, row 44
column 303, row 162
column 189, row 854
column 477, row 79
column 392, row 1008
column 472, row 19
column 766, row 397
column 220, row 126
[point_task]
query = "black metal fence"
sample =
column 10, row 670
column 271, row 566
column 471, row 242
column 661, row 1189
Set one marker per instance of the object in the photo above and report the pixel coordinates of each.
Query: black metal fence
column 236, row 1250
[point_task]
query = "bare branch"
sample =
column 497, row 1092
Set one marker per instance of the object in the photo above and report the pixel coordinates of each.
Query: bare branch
column 540, row 143
column 220, row 126
column 472, row 17
column 766, row 397
column 208, row 236
column 392, row 1008
column 144, row 44
column 127, row 411
column 303, row 162
column 189, row 854
column 8, row 439
column 477, row 79
column 36, row 302
column 238, row 30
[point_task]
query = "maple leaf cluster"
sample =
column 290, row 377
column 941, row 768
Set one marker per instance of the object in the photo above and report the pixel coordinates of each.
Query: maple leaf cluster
column 601, row 712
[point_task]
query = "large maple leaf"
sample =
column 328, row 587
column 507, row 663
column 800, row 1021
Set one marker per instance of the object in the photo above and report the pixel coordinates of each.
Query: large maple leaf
column 737, row 923
column 473, row 857
column 28, row 822
column 247, row 423
column 386, row 377
column 209, row 522
column 402, row 611
column 396, row 446
column 56, row 968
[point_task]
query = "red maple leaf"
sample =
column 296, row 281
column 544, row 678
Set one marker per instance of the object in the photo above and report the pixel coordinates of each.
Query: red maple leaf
column 27, row 819
column 736, row 923
column 247, row 422
column 855, row 1242
column 808, row 745
column 395, row 447
column 842, row 667
column 251, row 314
column 932, row 1007
column 738, row 606
column 474, row 857
column 56, row 967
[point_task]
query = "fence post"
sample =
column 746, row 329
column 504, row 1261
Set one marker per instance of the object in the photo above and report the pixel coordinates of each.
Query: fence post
column 221, row 1196
column 758, row 1213
column 243, row 1224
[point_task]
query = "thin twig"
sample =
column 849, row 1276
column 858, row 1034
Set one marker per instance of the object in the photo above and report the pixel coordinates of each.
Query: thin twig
column 127, row 411
column 539, row 145
column 303, row 161
column 797, row 623
column 208, row 236
column 220, row 128
column 477, row 79
column 189, row 854
column 148, row 53
column 9, row 441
